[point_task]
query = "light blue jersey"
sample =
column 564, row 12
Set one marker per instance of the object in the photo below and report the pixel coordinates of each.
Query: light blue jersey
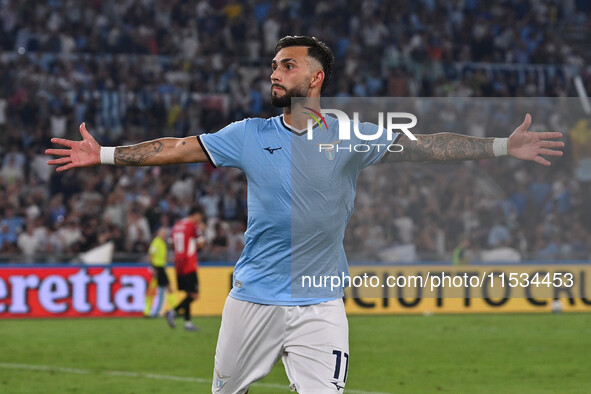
column 300, row 199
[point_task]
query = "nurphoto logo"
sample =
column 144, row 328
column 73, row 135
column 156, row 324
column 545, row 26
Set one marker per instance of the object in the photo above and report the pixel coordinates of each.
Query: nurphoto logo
column 391, row 119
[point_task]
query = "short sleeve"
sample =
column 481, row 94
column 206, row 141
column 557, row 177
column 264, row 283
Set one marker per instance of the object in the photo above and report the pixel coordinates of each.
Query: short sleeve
column 378, row 147
column 224, row 148
column 153, row 249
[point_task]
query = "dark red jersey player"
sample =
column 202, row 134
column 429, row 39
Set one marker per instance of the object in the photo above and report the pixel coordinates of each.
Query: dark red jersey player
column 186, row 238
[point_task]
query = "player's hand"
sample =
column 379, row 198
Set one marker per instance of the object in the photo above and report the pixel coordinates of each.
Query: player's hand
column 83, row 153
column 528, row 145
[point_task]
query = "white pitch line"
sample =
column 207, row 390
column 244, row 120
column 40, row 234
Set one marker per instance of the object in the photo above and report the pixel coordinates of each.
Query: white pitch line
column 49, row 368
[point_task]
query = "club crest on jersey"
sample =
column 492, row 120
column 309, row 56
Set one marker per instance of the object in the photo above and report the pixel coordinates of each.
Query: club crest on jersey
column 329, row 149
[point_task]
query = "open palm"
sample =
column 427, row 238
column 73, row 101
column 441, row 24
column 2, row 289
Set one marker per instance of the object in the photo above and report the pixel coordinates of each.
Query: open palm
column 83, row 153
column 528, row 145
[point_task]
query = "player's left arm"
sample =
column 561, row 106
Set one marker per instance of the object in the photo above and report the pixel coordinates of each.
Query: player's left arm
column 522, row 144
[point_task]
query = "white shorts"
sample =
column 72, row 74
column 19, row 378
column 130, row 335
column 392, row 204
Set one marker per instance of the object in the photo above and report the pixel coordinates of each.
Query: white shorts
column 313, row 341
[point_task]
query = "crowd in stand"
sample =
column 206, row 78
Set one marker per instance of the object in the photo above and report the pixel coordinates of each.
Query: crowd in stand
column 142, row 69
column 539, row 215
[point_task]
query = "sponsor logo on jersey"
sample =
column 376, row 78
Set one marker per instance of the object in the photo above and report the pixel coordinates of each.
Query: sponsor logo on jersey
column 271, row 150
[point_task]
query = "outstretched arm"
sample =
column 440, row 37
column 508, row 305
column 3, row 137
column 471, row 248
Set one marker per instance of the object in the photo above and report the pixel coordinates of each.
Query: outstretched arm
column 522, row 144
column 157, row 152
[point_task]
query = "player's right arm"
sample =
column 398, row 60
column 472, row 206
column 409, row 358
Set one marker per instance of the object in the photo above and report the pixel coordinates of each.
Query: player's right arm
column 157, row 152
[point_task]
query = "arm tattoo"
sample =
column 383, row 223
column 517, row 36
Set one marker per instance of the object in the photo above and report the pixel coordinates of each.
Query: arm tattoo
column 136, row 155
column 443, row 147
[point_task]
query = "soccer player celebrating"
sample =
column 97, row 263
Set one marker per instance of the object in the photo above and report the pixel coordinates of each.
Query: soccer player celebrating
column 185, row 240
column 261, row 320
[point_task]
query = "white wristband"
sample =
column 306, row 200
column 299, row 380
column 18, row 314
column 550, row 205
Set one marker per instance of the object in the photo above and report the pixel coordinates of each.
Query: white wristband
column 500, row 147
column 107, row 155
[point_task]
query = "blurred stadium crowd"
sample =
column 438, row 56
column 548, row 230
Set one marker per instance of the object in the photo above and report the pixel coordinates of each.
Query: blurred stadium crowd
column 142, row 69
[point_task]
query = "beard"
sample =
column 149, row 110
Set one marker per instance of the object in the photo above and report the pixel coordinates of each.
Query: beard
column 285, row 100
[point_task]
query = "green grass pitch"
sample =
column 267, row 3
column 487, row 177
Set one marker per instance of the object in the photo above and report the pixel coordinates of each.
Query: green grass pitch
column 517, row 353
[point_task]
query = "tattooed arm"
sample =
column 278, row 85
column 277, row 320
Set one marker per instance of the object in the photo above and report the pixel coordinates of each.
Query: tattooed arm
column 522, row 144
column 443, row 147
column 157, row 152
column 160, row 151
